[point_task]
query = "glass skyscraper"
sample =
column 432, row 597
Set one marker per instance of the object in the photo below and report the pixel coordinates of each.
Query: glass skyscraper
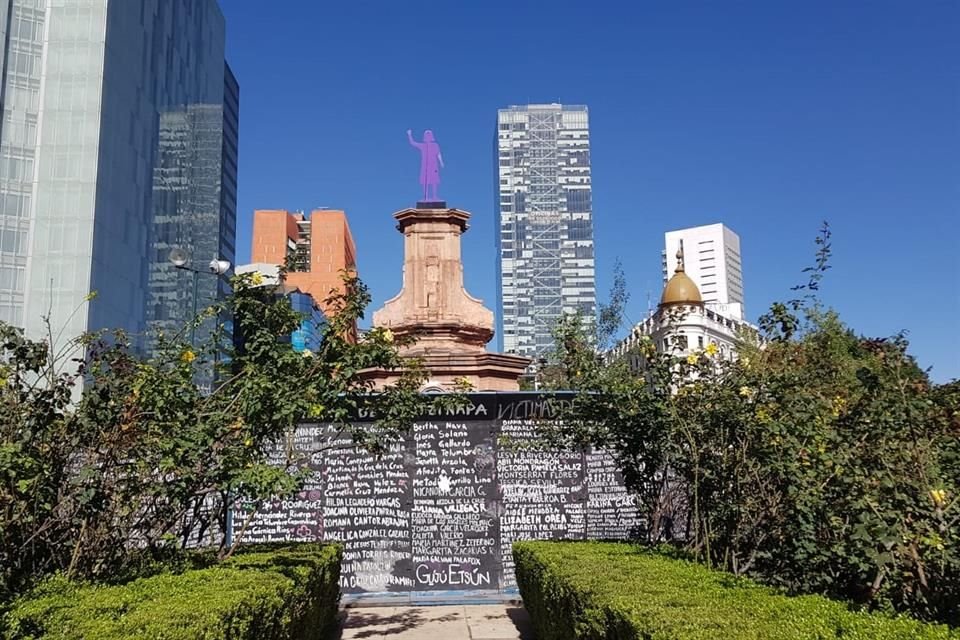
column 101, row 99
column 194, row 209
column 544, row 237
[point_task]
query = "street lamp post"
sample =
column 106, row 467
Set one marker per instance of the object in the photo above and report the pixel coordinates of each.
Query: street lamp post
column 193, row 314
column 216, row 268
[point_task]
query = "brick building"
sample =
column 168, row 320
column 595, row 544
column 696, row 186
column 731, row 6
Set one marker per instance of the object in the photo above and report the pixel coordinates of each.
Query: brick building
column 319, row 247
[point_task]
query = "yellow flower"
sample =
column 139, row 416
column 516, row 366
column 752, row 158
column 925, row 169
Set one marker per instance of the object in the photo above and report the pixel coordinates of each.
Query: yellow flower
column 762, row 416
column 463, row 383
column 692, row 358
column 256, row 279
column 388, row 335
column 188, row 356
column 307, row 353
column 711, row 349
column 745, row 392
column 745, row 361
column 248, row 442
column 939, row 496
column 316, row 410
column 838, row 406
column 936, row 542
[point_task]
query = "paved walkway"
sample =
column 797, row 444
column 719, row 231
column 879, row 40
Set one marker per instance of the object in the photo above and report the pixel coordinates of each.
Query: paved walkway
column 472, row 622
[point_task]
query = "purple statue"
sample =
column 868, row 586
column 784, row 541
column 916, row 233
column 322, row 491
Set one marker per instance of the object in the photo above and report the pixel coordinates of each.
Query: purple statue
column 430, row 163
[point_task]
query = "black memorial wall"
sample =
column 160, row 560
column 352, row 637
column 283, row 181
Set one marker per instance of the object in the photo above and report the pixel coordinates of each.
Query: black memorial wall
column 439, row 511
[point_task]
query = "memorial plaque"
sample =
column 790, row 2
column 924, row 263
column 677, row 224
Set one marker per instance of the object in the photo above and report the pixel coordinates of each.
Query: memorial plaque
column 439, row 511
column 542, row 492
column 367, row 507
column 298, row 518
column 454, row 533
column 612, row 512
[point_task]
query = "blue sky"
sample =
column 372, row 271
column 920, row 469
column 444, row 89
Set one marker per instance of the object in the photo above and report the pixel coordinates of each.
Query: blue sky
column 767, row 116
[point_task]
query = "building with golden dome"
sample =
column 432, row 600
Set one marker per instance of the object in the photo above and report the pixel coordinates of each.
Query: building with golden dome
column 683, row 324
column 680, row 289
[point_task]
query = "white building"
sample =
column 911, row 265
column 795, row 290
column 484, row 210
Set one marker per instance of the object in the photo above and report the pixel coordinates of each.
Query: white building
column 712, row 256
column 270, row 272
column 684, row 323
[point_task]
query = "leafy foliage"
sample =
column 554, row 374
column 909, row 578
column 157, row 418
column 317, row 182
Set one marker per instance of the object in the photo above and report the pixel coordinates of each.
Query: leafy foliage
column 284, row 594
column 640, row 594
column 819, row 460
column 141, row 458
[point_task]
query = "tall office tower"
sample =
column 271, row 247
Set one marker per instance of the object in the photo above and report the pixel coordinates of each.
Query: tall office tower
column 194, row 210
column 712, row 262
column 91, row 91
column 319, row 247
column 545, row 233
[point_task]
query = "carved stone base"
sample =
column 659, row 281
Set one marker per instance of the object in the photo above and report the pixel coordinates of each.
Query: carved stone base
column 483, row 371
column 451, row 327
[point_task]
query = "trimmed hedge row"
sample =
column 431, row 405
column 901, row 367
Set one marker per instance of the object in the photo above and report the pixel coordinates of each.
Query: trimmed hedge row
column 266, row 592
column 615, row 591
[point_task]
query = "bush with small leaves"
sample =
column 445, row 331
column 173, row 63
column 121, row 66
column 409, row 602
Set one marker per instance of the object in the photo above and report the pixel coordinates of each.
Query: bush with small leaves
column 614, row 591
column 261, row 593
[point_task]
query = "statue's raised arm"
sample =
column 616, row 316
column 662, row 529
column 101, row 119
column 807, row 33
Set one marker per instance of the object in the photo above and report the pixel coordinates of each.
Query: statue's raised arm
column 418, row 145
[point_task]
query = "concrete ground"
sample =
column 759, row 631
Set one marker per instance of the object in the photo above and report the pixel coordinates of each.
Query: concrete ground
column 470, row 622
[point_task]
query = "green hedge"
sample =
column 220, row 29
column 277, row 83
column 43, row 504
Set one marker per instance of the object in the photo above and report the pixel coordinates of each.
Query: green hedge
column 614, row 591
column 268, row 592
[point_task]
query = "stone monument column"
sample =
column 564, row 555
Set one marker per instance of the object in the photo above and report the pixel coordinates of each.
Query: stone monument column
column 450, row 326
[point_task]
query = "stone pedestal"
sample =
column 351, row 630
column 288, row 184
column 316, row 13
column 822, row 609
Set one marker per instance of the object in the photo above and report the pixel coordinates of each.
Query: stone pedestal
column 451, row 327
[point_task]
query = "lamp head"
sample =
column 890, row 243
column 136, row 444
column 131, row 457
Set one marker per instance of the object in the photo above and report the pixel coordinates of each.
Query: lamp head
column 178, row 257
column 219, row 267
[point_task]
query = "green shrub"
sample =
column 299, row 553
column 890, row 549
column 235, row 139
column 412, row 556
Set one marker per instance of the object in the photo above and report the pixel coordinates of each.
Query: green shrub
column 614, row 591
column 266, row 592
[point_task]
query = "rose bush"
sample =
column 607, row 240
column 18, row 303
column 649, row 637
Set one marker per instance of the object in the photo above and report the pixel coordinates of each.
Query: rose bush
column 820, row 460
column 142, row 459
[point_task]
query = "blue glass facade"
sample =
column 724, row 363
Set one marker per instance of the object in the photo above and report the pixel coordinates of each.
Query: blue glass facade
column 100, row 98
column 308, row 335
column 194, row 209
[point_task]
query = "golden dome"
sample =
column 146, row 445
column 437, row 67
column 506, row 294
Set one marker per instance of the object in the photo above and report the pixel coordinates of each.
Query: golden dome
column 680, row 289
